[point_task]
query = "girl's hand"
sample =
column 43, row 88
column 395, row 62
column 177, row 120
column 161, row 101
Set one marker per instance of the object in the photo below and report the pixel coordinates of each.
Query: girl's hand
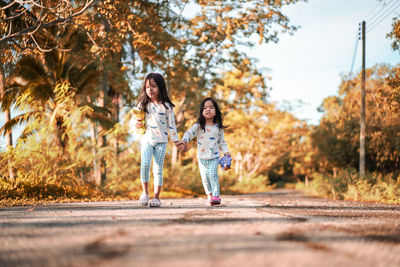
column 184, row 145
column 180, row 145
column 139, row 124
column 227, row 154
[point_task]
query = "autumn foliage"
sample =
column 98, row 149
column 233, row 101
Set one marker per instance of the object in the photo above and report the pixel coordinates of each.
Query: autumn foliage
column 71, row 73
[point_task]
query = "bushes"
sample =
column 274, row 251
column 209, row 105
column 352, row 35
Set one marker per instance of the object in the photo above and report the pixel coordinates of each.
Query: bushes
column 251, row 184
column 44, row 175
column 349, row 185
column 187, row 180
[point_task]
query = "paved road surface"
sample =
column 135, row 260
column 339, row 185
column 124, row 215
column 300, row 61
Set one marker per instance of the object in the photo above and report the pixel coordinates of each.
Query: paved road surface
column 278, row 228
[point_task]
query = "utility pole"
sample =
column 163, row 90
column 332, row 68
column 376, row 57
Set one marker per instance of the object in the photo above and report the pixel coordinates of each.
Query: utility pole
column 362, row 119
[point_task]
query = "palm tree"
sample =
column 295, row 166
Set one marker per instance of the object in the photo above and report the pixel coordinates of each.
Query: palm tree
column 7, row 113
column 38, row 79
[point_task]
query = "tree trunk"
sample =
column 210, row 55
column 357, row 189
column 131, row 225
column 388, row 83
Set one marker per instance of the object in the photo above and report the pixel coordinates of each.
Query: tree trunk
column 239, row 165
column 93, row 135
column 256, row 164
column 7, row 115
column 93, row 138
column 100, row 171
column 116, row 100
column 115, row 109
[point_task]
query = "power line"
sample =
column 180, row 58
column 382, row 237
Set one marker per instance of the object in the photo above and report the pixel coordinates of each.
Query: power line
column 355, row 51
column 377, row 16
column 383, row 7
column 383, row 16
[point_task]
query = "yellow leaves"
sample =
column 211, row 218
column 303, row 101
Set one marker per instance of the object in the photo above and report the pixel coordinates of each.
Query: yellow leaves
column 62, row 91
column 197, row 31
column 203, row 37
column 229, row 31
column 339, row 129
column 261, row 33
column 95, row 49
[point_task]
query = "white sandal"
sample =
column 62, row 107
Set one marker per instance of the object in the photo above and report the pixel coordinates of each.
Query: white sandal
column 155, row 202
column 144, row 199
column 208, row 202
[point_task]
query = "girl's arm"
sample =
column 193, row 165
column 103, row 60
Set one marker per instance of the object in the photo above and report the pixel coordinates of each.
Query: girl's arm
column 171, row 124
column 135, row 124
column 222, row 144
column 191, row 133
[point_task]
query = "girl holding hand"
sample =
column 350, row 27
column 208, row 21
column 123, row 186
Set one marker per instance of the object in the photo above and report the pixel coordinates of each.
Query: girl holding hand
column 209, row 130
column 159, row 122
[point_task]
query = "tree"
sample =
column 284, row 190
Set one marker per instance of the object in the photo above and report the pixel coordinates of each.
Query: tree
column 7, row 113
column 37, row 78
column 335, row 137
column 395, row 33
column 199, row 55
column 118, row 32
column 23, row 20
column 210, row 45
column 338, row 133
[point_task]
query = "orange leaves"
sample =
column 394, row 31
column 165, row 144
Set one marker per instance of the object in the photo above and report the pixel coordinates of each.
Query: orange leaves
column 395, row 34
column 271, row 135
column 203, row 37
column 261, row 33
column 337, row 136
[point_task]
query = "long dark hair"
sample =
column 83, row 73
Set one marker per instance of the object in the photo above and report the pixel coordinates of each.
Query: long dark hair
column 144, row 99
column 218, row 119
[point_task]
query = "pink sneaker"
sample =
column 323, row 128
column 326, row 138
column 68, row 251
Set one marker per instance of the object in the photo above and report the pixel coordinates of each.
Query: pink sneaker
column 215, row 200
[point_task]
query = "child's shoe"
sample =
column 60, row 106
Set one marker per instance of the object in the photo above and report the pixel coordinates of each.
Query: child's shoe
column 208, row 201
column 155, row 202
column 144, row 199
column 215, row 200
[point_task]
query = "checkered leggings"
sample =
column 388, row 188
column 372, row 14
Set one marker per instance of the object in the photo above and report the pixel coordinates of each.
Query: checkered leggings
column 149, row 150
column 209, row 175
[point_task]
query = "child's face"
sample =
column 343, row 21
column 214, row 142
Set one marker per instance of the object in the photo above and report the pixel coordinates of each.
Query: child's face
column 152, row 89
column 209, row 110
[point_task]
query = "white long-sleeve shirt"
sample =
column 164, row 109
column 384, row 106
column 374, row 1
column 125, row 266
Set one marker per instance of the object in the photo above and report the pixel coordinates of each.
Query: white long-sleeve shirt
column 209, row 142
column 160, row 122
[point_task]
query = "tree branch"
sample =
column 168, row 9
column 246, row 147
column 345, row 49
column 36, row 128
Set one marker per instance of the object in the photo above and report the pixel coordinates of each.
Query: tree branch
column 40, row 24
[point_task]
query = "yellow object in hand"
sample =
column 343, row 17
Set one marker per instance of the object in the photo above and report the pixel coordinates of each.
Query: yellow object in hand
column 140, row 114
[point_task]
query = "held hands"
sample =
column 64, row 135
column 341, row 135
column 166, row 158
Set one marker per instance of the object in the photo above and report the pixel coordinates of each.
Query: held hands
column 181, row 145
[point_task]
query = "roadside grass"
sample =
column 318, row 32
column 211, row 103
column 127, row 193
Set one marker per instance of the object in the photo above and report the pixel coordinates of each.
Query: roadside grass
column 186, row 182
column 348, row 185
column 178, row 182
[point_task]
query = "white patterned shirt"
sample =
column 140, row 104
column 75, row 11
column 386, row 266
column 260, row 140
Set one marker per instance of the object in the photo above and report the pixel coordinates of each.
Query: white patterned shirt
column 160, row 122
column 209, row 142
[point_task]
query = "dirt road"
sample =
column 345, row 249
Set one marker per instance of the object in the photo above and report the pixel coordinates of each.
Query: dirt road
column 278, row 228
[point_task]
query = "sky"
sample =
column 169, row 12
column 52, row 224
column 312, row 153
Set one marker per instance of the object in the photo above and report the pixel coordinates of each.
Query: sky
column 306, row 67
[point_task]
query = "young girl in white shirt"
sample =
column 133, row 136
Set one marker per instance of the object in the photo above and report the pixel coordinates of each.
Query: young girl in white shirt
column 159, row 123
column 209, row 130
